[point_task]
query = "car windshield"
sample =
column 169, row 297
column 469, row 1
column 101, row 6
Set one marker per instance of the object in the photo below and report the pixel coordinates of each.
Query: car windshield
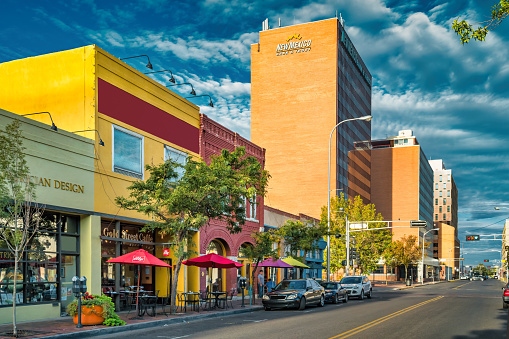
column 351, row 280
column 329, row 286
column 291, row 285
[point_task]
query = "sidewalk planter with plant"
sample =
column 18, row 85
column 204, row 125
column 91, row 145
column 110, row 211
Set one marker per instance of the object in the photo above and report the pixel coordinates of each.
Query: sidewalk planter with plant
column 95, row 310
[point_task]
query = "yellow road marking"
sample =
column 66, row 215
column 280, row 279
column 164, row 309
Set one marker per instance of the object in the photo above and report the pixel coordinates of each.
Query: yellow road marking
column 381, row 320
column 461, row 285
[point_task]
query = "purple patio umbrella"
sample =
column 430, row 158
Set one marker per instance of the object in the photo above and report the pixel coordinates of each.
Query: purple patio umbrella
column 272, row 262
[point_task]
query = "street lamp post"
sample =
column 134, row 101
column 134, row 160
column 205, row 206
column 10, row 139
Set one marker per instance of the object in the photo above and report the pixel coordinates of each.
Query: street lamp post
column 365, row 118
column 422, row 263
column 450, row 249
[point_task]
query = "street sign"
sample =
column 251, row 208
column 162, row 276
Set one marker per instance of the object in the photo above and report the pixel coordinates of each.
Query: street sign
column 358, row 225
column 418, row 223
column 473, row 237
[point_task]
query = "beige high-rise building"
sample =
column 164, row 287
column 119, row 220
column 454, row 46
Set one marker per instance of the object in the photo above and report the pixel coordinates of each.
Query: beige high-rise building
column 445, row 205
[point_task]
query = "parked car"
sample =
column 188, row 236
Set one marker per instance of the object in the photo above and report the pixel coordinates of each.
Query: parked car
column 335, row 292
column 464, row 277
column 495, row 277
column 505, row 296
column 294, row 293
column 357, row 286
column 476, row 277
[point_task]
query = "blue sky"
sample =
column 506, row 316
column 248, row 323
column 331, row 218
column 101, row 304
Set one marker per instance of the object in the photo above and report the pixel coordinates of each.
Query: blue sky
column 453, row 97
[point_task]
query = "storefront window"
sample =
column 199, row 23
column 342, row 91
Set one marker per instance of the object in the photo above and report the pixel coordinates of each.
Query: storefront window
column 42, row 276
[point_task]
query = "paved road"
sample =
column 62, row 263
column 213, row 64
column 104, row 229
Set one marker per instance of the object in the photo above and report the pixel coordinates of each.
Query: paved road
column 459, row 309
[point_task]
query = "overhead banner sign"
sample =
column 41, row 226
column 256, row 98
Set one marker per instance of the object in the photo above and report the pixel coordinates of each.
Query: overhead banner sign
column 294, row 44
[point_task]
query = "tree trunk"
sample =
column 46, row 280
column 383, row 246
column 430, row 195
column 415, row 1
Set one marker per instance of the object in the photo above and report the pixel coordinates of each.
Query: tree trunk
column 174, row 284
column 406, row 272
column 14, row 327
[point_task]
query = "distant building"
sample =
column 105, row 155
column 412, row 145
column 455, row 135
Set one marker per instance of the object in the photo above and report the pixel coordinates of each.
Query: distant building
column 305, row 79
column 445, row 203
column 402, row 188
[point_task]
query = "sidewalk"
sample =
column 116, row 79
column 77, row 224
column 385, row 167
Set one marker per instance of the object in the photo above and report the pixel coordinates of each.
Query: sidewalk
column 401, row 285
column 65, row 328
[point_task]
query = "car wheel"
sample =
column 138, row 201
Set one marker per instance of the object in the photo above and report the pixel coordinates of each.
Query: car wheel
column 504, row 305
column 302, row 304
column 370, row 294
column 362, row 295
column 346, row 299
column 322, row 301
column 336, row 299
column 267, row 308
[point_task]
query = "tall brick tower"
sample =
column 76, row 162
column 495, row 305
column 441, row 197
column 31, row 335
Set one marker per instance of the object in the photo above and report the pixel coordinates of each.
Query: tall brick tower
column 305, row 79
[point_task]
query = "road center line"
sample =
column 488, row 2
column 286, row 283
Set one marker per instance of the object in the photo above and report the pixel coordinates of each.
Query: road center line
column 461, row 285
column 381, row 320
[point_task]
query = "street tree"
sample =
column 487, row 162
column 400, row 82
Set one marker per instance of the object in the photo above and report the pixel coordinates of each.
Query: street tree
column 466, row 32
column 181, row 199
column 262, row 249
column 390, row 257
column 20, row 216
column 301, row 236
column 407, row 251
column 370, row 244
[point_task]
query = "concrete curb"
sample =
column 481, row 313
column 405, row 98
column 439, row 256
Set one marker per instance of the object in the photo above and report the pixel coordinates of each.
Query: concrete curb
column 419, row 285
column 149, row 324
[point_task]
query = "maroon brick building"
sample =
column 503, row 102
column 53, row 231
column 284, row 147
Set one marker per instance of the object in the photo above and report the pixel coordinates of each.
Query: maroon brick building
column 215, row 237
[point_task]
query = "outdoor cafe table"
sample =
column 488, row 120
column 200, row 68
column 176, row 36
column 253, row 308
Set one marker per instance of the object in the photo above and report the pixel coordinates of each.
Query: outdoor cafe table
column 147, row 302
column 192, row 298
column 217, row 294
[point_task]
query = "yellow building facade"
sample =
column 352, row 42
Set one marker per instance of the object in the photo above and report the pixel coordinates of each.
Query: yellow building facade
column 133, row 121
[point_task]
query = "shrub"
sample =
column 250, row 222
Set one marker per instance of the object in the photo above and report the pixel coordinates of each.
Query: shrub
column 108, row 313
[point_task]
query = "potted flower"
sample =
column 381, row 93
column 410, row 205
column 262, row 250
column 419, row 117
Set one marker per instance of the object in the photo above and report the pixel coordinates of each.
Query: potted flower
column 95, row 310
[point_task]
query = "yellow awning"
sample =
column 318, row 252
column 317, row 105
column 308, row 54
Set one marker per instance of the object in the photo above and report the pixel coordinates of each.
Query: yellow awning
column 294, row 262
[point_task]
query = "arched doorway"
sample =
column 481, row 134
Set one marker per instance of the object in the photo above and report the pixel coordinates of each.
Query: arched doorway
column 214, row 275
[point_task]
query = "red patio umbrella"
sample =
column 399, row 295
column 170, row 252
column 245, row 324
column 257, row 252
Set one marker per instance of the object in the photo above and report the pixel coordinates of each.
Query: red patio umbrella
column 212, row 260
column 139, row 257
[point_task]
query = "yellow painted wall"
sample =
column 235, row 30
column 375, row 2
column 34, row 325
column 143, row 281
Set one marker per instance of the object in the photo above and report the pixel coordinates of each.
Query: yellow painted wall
column 62, row 83
column 293, row 110
column 29, row 313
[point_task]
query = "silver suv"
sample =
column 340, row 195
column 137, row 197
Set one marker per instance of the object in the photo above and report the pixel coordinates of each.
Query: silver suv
column 357, row 286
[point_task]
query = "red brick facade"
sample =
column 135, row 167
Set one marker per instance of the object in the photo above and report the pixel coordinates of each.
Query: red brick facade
column 213, row 138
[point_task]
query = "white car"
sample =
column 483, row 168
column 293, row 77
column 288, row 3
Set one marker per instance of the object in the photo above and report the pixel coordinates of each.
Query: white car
column 464, row 277
column 357, row 286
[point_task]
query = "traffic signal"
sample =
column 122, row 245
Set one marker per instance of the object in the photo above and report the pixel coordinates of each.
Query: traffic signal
column 353, row 253
column 486, row 260
column 472, row 237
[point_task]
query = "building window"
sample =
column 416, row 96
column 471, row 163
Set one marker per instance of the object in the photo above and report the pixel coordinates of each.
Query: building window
column 440, row 194
column 448, row 208
column 445, row 185
column 436, row 201
column 440, row 209
column 444, row 216
column 448, row 177
column 440, row 177
column 436, row 185
column 445, row 202
column 436, row 216
column 448, row 193
column 176, row 156
column 251, row 213
column 127, row 152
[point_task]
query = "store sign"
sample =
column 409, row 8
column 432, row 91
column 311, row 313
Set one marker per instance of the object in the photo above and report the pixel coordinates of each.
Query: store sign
column 139, row 258
column 57, row 184
column 6, row 255
column 294, row 44
column 166, row 252
column 128, row 235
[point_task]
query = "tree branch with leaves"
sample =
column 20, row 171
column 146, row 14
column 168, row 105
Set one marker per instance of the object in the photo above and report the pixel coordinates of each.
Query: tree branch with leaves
column 466, row 32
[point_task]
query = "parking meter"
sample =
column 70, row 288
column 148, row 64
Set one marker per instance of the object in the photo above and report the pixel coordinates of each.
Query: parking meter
column 83, row 284
column 243, row 284
column 76, row 286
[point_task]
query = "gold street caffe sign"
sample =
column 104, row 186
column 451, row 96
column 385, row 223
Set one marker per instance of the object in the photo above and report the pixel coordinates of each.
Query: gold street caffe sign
column 127, row 235
column 58, row 184
column 294, row 44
